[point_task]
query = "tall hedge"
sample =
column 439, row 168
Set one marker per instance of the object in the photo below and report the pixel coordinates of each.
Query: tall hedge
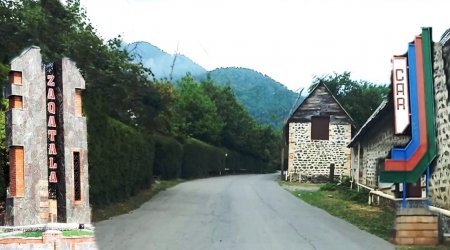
column 168, row 157
column 120, row 160
column 201, row 159
column 241, row 163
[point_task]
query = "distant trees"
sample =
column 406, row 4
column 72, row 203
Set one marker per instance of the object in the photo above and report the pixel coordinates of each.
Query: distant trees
column 197, row 113
column 359, row 98
column 268, row 101
column 211, row 113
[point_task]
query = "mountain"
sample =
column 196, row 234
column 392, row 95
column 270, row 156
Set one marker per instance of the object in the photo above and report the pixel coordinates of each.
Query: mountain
column 160, row 62
column 267, row 100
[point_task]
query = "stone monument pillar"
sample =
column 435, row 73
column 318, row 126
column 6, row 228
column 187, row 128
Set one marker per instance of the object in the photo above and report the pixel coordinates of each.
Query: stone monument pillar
column 47, row 139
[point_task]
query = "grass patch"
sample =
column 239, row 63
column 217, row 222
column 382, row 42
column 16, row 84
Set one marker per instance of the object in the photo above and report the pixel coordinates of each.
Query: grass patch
column 296, row 183
column 30, row 234
column 104, row 213
column 74, row 233
column 66, row 233
column 352, row 206
column 375, row 220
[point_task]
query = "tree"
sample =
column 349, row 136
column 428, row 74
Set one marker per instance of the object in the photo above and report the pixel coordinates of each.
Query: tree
column 359, row 98
column 234, row 115
column 197, row 112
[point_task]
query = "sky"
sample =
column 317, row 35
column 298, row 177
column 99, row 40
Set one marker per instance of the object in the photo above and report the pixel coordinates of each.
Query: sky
column 289, row 40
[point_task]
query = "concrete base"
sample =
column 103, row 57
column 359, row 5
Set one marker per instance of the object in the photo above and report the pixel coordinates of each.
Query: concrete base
column 50, row 240
column 416, row 227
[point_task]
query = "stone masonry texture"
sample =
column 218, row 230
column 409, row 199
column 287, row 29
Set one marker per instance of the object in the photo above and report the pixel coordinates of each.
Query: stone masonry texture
column 440, row 179
column 75, row 139
column 313, row 157
column 27, row 127
column 375, row 147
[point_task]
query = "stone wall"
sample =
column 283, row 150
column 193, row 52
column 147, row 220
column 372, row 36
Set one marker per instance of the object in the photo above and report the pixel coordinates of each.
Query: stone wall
column 375, row 147
column 27, row 127
column 313, row 157
column 440, row 178
column 75, row 140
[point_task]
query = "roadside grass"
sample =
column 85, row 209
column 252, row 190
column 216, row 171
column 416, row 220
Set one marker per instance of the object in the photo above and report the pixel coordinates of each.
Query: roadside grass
column 375, row 220
column 352, row 206
column 295, row 183
column 104, row 213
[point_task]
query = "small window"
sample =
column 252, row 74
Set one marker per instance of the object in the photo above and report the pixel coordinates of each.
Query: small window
column 15, row 102
column 77, row 176
column 15, row 77
column 16, row 171
column 78, row 103
column 320, row 127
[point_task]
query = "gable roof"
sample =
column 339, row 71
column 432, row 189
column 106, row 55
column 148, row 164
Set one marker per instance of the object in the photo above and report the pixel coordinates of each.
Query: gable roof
column 311, row 94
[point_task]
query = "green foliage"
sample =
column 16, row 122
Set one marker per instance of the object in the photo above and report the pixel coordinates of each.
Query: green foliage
column 168, row 121
column 360, row 196
column 31, row 234
column 168, row 157
column 237, row 122
column 241, row 132
column 346, row 193
column 201, row 159
column 120, row 160
column 4, row 159
column 197, row 112
column 77, row 233
column 359, row 98
column 267, row 100
column 328, row 187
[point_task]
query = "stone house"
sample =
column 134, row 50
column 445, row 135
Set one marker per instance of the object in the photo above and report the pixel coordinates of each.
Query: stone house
column 316, row 137
column 373, row 143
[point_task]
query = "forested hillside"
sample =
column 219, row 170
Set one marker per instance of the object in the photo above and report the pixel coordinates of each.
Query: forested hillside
column 267, row 100
column 137, row 128
column 163, row 64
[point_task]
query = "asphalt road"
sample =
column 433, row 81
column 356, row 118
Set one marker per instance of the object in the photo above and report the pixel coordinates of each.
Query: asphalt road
column 242, row 212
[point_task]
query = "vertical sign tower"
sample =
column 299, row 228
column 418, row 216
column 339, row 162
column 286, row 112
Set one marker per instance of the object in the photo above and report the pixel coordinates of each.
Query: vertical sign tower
column 47, row 138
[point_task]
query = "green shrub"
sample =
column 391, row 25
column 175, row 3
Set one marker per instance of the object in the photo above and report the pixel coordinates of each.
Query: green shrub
column 168, row 157
column 120, row 160
column 345, row 183
column 201, row 159
column 360, row 196
column 242, row 163
column 232, row 161
column 328, row 187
